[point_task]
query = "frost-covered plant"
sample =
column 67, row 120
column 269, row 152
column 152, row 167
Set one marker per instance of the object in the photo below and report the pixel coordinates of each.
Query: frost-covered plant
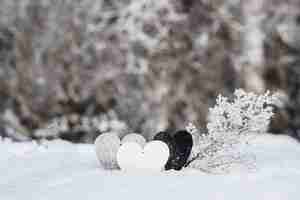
column 247, row 112
column 231, row 124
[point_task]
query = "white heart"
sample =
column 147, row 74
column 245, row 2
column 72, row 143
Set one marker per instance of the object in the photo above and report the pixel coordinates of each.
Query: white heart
column 131, row 156
column 128, row 155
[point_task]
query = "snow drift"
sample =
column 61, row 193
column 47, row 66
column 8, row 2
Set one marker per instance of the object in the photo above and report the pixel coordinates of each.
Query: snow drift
column 61, row 170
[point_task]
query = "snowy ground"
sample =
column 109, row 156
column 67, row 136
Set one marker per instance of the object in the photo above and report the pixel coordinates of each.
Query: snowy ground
column 60, row 170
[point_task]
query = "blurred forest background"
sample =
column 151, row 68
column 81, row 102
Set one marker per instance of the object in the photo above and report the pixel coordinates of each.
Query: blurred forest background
column 86, row 67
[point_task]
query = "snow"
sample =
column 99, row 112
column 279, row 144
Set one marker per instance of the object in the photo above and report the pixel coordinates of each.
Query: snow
column 61, row 170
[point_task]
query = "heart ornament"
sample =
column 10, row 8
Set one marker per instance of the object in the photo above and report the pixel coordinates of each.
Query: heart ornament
column 180, row 145
column 153, row 157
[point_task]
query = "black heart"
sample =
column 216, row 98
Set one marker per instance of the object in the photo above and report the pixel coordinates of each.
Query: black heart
column 180, row 146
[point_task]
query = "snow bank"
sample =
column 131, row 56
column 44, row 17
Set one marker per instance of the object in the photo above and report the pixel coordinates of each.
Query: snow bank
column 60, row 170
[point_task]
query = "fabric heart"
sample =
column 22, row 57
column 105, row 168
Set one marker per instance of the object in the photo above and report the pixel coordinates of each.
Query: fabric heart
column 180, row 146
column 153, row 157
column 184, row 145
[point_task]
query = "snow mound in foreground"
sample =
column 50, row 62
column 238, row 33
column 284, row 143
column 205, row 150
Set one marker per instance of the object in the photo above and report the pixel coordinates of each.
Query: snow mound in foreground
column 60, row 170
